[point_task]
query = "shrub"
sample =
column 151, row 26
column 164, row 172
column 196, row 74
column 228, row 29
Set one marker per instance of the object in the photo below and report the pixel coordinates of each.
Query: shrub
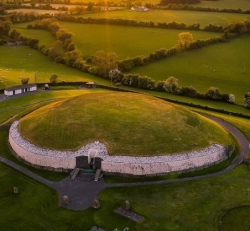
column 247, row 100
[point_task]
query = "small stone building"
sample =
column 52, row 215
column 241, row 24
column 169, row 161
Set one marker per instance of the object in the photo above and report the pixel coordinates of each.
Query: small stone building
column 90, row 85
column 20, row 89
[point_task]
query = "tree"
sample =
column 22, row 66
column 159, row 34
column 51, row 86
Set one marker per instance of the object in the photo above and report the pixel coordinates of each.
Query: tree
column 171, row 85
column 105, row 62
column 116, row 76
column 71, row 47
column 231, row 98
column 213, row 93
column 185, row 40
column 25, row 81
column 90, row 6
column 56, row 49
column 33, row 4
column 247, row 100
column 53, row 79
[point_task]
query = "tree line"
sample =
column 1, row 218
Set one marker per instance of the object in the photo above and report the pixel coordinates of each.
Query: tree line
column 105, row 65
column 188, row 7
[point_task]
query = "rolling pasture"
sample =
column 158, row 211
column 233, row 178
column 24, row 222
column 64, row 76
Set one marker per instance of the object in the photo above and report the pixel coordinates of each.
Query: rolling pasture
column 45, row 37
column 188, row 17
column 226, row 66
column 125, row 41
column 220, row 4
column 22, row 61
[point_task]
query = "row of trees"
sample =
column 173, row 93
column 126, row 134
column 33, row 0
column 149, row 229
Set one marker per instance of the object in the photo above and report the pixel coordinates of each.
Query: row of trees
column 183, row 6
column 185, row 42
column 128, row 22
column 247, row 100
column 171, row 86
column 167, row 2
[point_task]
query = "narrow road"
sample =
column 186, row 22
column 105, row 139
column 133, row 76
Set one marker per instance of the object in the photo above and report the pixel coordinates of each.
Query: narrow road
column 82, row 193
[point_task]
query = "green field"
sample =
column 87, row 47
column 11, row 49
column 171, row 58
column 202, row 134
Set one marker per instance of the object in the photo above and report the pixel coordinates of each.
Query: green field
column 45, row 37
column 125, row 41
column 196, row 68
column 128, row 124
column 226, row 4
column 220, row 4
column 188, row 17
column 22, row 61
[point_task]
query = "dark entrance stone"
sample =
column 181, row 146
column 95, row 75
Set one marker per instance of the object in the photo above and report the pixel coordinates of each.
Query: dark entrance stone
column 82, row 162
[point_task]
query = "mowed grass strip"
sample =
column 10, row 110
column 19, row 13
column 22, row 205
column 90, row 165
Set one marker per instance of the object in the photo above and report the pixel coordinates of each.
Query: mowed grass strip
column 188, row 17
column 130, row 124
column 226, row 66
column 125, row 41
column 22, row 62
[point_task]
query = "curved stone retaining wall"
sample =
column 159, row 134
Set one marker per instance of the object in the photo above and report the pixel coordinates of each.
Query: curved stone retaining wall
column 116, row 164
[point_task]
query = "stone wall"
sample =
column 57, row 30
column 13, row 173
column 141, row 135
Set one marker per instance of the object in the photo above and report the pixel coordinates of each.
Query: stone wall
column 129, row 165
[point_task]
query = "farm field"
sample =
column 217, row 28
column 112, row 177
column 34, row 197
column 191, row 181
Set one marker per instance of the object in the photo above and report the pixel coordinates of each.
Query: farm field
column 188, row 17
column 125, row 41
column 36, row 11
column 45, row 37
column 220, row 65
column 22, row 61
column 10, row 75
column 226, row 4
column 220, row 4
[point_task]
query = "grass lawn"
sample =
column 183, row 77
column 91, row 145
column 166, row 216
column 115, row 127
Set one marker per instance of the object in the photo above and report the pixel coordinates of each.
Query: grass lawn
column 22, row 61
column 42, row 96
column 35, row 207
column 125, row 41
column 196, row 68
column 129, row 124
column 194, row 205
column 234, row 219
column 188, row 17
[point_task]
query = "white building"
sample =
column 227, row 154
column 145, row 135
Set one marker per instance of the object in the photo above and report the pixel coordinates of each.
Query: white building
column 20, row 89
column 139, row 8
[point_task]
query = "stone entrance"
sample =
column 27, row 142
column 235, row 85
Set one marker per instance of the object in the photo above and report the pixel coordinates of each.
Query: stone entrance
column 88, row 163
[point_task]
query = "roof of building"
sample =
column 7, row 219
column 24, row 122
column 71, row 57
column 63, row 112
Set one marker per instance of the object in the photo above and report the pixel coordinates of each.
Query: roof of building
column 90, row 83
column 20, row 87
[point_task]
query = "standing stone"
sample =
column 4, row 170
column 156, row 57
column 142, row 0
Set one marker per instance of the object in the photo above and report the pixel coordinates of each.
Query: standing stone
column 65, row 200
column 15, row 190
column 96, row 204
column 126, row 205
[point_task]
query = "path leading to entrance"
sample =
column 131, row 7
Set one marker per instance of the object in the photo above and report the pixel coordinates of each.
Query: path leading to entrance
column 82, row 193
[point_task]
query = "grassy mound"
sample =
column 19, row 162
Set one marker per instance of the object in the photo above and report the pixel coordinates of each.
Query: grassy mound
column 130, row 124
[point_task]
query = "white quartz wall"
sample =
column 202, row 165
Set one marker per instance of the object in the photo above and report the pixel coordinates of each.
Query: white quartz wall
column 116, row 164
